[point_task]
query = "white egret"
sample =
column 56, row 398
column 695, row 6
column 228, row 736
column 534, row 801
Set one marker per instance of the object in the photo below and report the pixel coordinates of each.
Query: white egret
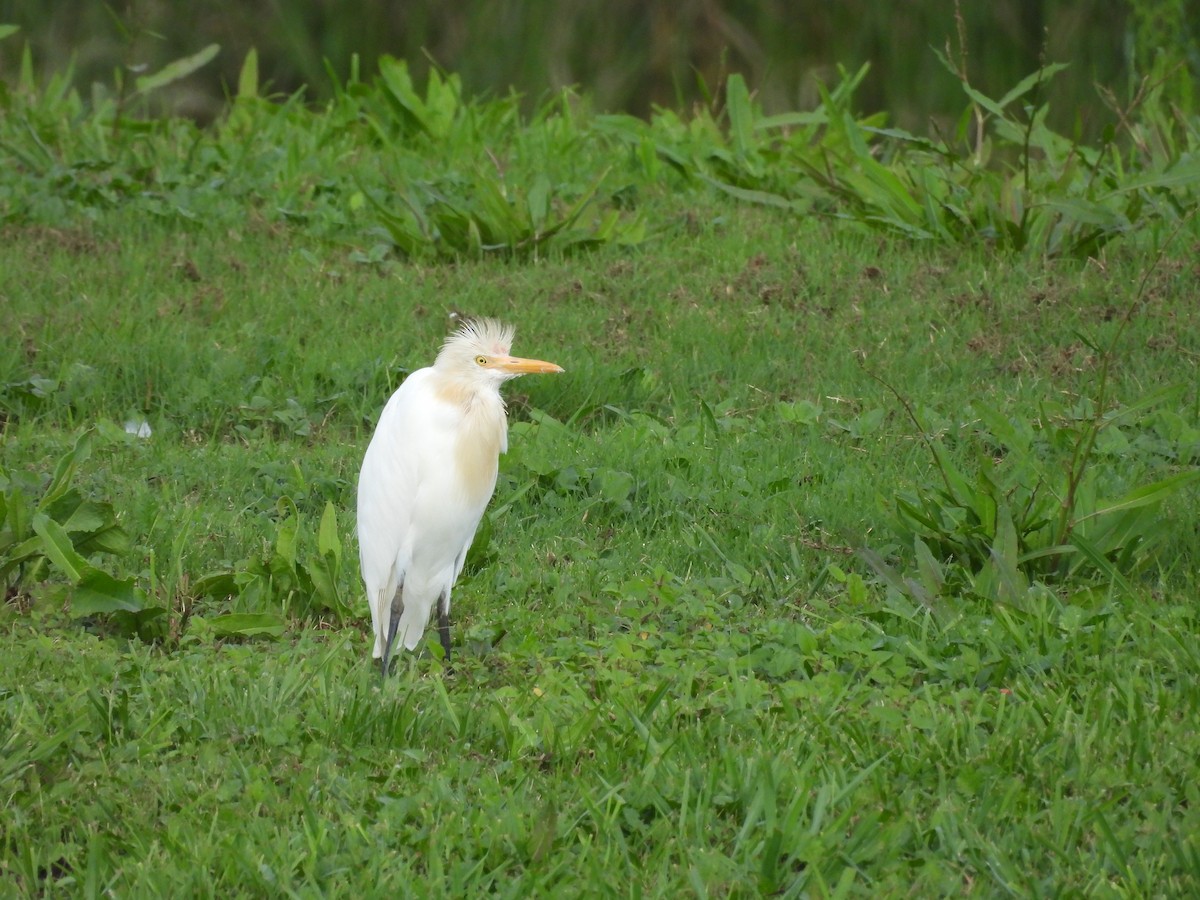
column 426, row 479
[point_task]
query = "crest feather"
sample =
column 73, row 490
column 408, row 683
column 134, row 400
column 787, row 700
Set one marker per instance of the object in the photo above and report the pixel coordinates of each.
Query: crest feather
column 482, row 335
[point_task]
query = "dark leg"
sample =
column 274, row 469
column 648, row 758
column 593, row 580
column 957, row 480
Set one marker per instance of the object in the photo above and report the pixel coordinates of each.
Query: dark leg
column 444, row 629
column 397, row 611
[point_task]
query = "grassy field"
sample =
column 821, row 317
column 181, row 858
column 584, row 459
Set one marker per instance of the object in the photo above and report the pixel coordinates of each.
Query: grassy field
column 701, row 648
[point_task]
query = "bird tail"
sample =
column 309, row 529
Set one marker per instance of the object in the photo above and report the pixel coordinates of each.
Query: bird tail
column 414, row 618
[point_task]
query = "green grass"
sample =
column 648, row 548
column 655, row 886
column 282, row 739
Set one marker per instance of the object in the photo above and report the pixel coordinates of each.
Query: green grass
column 673, row 677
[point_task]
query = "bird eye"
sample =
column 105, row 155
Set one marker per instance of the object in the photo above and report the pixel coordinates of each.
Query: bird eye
column 481, row 360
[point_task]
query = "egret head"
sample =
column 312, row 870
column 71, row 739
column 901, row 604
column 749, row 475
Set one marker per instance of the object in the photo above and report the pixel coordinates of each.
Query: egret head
column 480, row 349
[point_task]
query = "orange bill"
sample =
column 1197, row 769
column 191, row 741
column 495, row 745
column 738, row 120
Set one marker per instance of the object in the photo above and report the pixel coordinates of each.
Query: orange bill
column 518, row 366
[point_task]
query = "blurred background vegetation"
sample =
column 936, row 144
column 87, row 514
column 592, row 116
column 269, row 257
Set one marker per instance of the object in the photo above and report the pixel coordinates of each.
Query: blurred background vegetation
column 630, row 55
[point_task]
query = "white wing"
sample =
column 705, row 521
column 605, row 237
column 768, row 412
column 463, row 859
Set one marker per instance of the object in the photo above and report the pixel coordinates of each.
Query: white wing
column 417, row 506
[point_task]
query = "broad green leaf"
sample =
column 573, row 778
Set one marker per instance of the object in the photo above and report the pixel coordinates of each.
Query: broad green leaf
column 1087, row 212
column 1046, row 552
column 327, row 533
column 741, row 114
column 322, row 571
column 1146, row 401
column 505, row 223
column 17, row 555
column 956, row 481
column 410, row 234
column 59, row 549
column 111, row 539
column 1001, row 427
column 906, row 137
column 606, row 229
column 8, row 30
column 613, row 485
column 399, row 86
column 475, row 244
column 63, row 506
column 1030, row 81
column 1100, row 561
column 1112, row 441
column 1146, row 495
column 26, row 81
column 886, row 573
column 98, row 592
column 137, row 622
column 895, row 223
column 64, row 471
column 217, row 585
column 287, row 534
column 930, row 570
column 89, row 516
column 249, row 624
column 800, row 412
column 440, row 104
column 174, row 71
column 248, row 76
column 576, row 209
column 452, row 223
column 897, row 195
column 763, row 198
column 17, row 514
column 631, row 233
column 1004, row 556
column 983, row 100
column 933, row 214
column 792, row 120
column 1123, row 536
column 910, row 510
column 1186, row 173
